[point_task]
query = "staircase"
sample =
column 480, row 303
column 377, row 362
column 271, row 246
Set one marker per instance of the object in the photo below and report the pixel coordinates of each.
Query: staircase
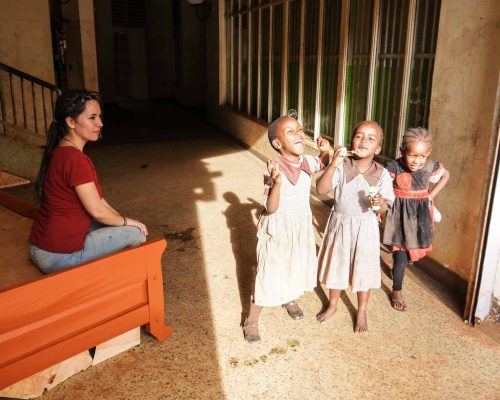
column 26, row 112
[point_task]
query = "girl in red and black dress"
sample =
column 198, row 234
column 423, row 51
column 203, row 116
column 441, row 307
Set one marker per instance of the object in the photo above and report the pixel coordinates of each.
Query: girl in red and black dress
column 410, row 222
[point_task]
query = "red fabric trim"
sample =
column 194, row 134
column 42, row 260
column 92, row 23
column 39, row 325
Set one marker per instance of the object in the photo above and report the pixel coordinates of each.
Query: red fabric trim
column 420, row 194
column 415, row 254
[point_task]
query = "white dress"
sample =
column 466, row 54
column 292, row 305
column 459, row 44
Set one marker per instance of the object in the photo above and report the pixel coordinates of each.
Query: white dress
column 350, row 251
column 286, row 247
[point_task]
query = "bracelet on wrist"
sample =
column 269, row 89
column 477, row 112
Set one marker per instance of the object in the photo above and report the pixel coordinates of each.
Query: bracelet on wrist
column 124, row 221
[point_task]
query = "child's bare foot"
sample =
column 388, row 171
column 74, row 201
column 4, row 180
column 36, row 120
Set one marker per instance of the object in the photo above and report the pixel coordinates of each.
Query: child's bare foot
column 330, row 312
column 361, row 322
column 397, row 300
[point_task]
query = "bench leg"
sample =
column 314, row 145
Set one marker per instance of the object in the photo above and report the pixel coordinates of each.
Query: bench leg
column 156, row 326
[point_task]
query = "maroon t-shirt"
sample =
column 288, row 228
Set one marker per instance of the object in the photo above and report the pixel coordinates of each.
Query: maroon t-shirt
column 62, row 222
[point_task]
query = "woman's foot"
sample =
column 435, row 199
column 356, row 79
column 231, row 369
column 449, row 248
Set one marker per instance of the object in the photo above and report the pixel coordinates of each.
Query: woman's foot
column 361, row 322
column 330, row 312
column 294, row 310
column 251, row 332
column 397, row 300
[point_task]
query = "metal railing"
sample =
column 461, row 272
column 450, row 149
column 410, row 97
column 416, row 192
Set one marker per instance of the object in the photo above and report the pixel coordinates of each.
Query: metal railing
column 26, row 103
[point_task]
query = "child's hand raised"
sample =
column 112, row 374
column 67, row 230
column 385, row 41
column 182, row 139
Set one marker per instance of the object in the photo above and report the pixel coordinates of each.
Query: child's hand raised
column 274, row 172
column 323, row 144
column 339, row 153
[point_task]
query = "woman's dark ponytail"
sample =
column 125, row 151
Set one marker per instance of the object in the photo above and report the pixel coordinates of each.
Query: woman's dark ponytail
column 53, row 136
column 69, row 104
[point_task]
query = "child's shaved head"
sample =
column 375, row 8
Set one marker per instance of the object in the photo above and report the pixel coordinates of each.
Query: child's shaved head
column 374, row 125
column 272, row 131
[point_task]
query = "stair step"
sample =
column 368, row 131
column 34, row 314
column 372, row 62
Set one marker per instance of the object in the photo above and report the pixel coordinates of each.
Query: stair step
column 9, row 180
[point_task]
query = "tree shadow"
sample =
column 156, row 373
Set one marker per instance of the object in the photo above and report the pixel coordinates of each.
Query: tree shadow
column 243, row 236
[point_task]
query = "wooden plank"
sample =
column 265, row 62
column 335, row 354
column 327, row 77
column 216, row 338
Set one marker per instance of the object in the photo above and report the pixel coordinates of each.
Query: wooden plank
column 36, row 336
column 18, row 205
column 66, row 290
column 35, row 385
column 117, row 345
column 64, row 349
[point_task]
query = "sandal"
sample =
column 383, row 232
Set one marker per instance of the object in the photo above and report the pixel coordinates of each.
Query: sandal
column 251, row 337
column 398, row 305
column 296, row 312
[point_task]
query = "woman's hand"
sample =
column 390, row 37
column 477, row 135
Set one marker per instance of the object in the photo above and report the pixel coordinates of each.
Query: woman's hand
column 140, row 225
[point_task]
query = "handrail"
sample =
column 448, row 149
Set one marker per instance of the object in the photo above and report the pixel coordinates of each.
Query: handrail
column 29, row 77
column 26, row 103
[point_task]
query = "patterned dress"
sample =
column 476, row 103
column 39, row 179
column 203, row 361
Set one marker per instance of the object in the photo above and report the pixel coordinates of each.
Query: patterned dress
column 286, row 247
column 409, row 225
column 350, row 251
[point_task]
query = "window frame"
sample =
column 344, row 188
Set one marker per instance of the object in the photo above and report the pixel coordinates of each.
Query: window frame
column 254, row 9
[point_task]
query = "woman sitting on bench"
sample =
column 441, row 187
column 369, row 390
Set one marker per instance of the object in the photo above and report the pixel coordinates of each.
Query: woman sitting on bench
column 75, row 223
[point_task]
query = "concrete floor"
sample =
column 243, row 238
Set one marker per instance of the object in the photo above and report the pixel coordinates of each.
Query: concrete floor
column 203, row 193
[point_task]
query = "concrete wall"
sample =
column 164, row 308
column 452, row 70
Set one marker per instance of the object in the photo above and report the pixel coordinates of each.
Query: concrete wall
column 25, row 37
column 89, row 51
column 105, row 51
column 27, row 158
column 462, row 119
column 74, row 62
column 81, row 55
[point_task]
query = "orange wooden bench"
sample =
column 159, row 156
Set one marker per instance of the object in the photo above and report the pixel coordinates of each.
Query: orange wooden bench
column 57, row 316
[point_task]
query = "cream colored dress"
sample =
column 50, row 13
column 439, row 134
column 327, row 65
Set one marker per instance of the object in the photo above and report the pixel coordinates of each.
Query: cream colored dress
column 286, row 247
column 350, row 251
